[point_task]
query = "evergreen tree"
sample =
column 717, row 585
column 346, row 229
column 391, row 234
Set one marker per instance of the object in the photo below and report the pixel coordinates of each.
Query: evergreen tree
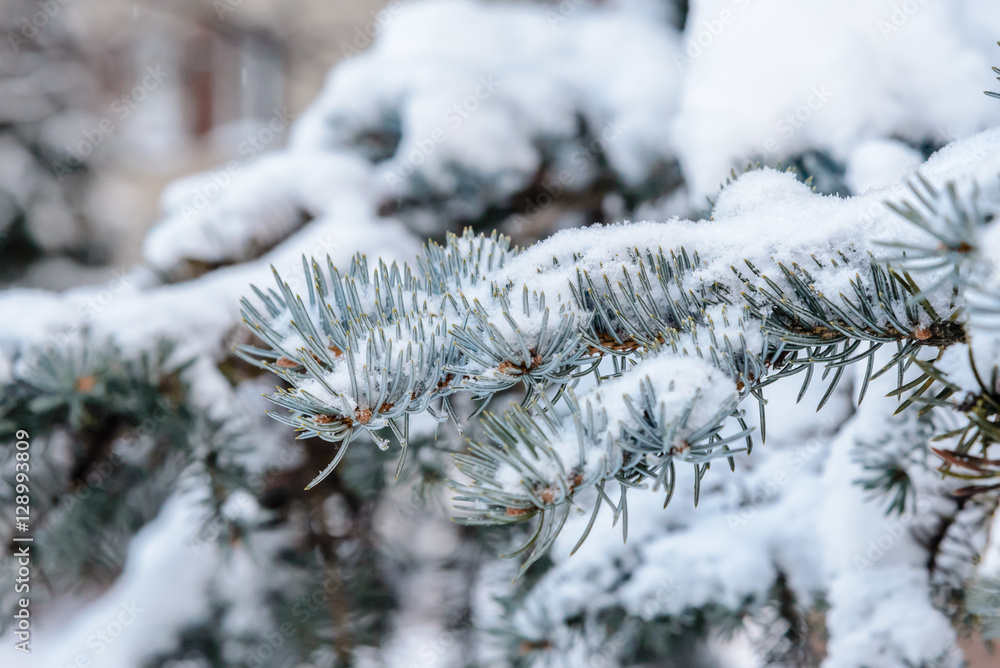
column 52, row 94
column 625, row 411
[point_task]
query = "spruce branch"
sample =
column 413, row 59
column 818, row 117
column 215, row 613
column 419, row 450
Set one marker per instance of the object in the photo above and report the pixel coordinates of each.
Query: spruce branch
column 635, row 322
column 627, row 432
column 111, row 434
column 959, row 252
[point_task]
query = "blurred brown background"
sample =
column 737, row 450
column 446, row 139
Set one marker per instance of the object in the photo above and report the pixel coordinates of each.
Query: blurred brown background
column 143, row 92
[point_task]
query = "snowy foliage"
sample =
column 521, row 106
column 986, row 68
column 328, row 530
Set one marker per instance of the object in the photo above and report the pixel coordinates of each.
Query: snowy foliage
column 627, row 357
column 49, row 92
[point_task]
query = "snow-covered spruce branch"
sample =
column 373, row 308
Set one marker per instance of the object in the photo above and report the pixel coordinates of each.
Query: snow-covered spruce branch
column 962, row 250
column 651, row 345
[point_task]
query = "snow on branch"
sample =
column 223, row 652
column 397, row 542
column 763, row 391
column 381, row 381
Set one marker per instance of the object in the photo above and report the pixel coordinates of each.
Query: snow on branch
column 663, row 327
